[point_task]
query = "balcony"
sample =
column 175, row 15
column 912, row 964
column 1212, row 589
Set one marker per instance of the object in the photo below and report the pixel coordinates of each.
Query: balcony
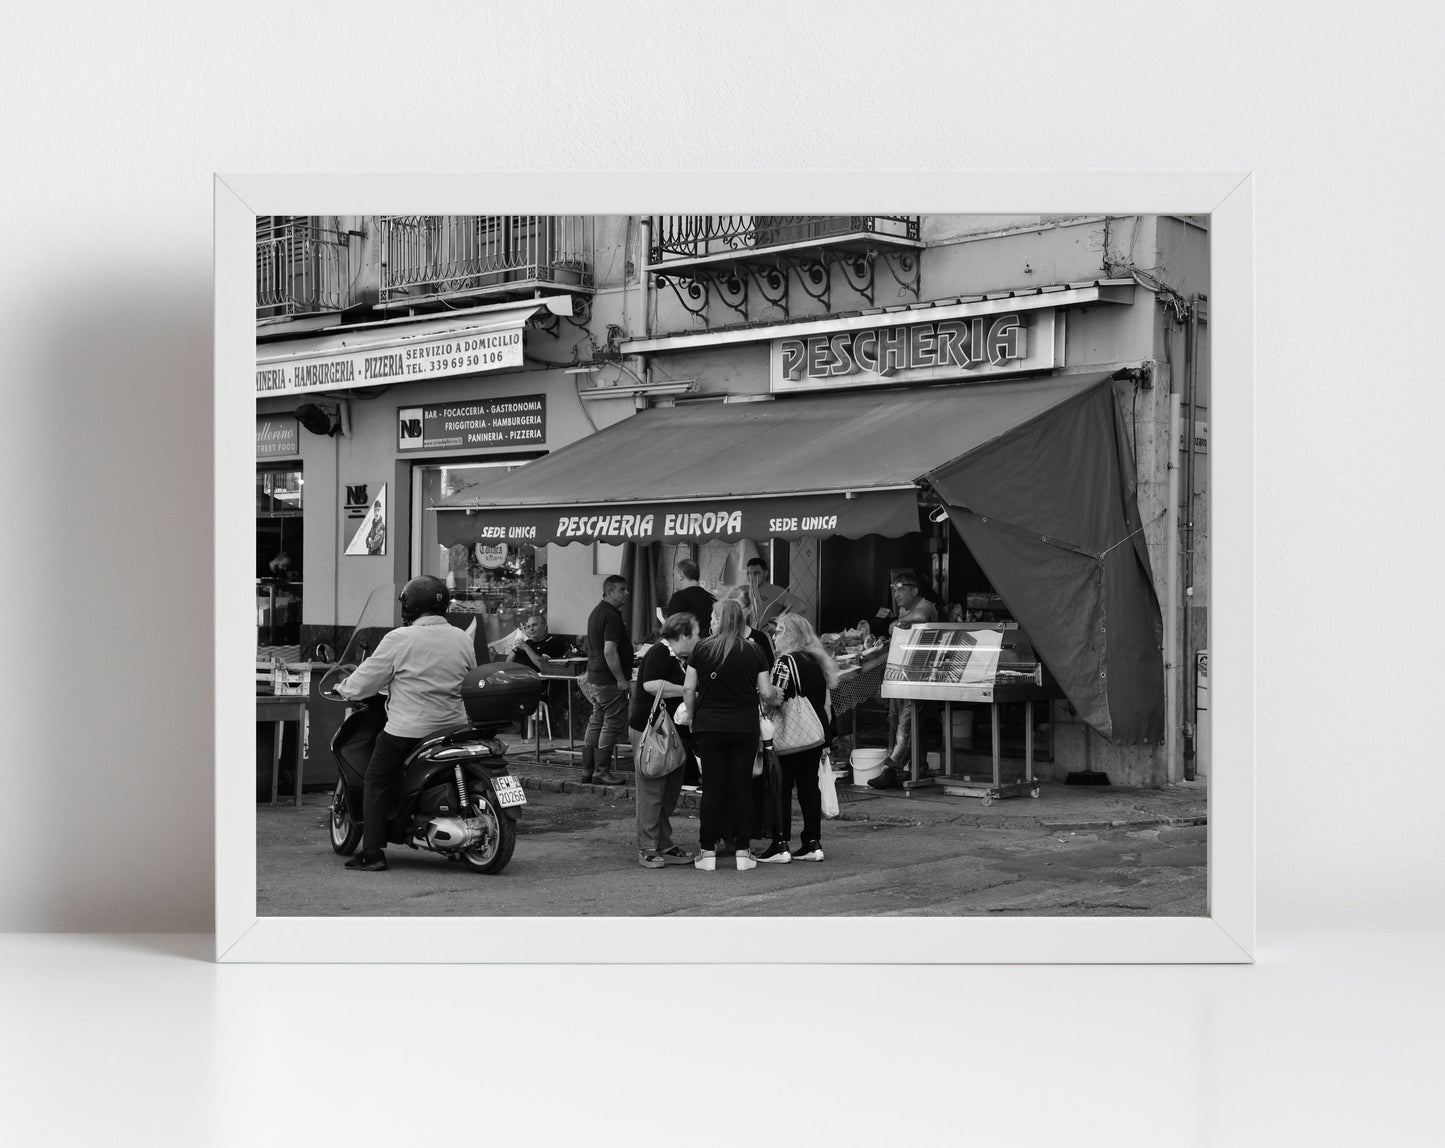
column 428, row 258
column 761, row 265
column 721, row 237
column 301, row 268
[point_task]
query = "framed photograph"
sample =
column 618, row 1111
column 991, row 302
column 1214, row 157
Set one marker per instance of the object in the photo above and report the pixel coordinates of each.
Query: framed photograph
column 543, row 473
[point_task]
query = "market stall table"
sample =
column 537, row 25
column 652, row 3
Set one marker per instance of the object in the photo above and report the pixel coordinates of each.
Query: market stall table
column 570, row 679
column 992, row 663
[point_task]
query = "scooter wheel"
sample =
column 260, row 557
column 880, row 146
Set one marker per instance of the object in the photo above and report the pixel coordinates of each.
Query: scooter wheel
column 499, row 837
column 345, row 832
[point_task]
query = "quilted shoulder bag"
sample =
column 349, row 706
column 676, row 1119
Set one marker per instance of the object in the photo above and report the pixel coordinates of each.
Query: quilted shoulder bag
column 659, row 750
column 795, row 723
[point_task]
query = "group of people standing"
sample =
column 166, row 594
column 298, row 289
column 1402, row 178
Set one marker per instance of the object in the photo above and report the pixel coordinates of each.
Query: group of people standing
column 716, row 670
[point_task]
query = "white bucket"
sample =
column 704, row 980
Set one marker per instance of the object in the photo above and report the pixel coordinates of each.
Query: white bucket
column 962, row 731
column 867, row 763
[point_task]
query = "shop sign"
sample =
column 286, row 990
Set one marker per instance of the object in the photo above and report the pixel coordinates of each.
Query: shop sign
column 494, row 422
column 952, row 349
column 1201, row 437
column 889, row 512
column 412, row 361
column 277, row 435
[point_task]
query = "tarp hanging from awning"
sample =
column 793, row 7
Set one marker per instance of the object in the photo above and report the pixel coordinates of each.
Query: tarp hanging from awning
column 1050, row 513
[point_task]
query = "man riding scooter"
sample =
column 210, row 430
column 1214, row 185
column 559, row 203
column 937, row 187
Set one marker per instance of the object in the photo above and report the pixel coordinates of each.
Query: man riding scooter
column 423, row 663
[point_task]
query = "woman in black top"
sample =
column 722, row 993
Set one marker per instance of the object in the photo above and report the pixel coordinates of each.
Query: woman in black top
column 798, row 647
column 661, row 673
column 726, row 678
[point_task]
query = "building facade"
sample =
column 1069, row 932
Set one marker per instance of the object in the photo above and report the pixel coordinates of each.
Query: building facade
column 408, row 366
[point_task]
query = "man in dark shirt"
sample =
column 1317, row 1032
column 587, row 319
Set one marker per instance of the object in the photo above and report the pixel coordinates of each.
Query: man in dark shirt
column 538, row 646
column 609, row 673
column 691, row 598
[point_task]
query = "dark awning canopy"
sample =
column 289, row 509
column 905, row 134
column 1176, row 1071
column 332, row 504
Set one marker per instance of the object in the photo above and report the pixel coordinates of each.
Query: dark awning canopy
column 1037, row 476
column 846, row 464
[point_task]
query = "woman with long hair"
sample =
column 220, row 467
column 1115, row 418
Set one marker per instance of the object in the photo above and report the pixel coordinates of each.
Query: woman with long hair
column 726, row 679
column 745, row 598
column 803, row 669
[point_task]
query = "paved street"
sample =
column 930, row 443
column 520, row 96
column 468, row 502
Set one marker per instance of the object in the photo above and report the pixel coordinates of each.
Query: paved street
column 924, row 856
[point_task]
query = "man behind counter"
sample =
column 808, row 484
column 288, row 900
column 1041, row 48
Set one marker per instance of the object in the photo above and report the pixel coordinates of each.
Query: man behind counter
column 691, row 598
column 910, row 606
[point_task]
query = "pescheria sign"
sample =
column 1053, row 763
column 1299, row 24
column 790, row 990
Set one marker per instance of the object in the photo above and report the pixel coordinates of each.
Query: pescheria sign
column 981, row 345
column 889, row 512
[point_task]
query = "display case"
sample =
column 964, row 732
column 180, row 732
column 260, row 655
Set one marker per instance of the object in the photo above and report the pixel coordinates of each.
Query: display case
column 969, row 662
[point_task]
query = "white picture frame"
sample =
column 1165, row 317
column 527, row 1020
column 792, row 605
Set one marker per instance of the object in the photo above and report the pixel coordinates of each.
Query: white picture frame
column 1225, row 935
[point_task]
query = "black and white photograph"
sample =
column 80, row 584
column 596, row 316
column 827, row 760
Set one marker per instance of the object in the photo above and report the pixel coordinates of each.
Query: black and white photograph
column 739, row 565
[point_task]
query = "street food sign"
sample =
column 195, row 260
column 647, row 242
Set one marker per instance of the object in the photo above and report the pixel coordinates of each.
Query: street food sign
column 951, row 349
column 276, row 436
column 888, row 512
column 477, row 423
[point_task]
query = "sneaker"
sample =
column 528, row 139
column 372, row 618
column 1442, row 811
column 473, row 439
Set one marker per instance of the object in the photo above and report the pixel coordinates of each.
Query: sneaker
column 775, row 854
column 371, row 862
column 705, row 860
column 650, row 860
column 811, row 851
column 746, row 860
column 691, row 789
column 676, row 856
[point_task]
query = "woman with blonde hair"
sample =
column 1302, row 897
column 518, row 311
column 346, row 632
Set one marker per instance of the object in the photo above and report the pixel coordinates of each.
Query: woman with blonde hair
column 744, row 597
column 726, row 679
column 803, row 669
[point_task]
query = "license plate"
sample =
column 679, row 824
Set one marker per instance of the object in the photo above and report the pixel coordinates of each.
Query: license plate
column 509, row 791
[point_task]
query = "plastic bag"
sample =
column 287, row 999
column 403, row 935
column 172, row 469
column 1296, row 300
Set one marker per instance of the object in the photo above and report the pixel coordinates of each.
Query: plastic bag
column 826, row 786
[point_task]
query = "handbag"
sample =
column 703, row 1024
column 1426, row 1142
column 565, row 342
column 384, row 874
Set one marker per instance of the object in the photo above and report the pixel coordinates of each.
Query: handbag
column 796, row 726
column 659, row 749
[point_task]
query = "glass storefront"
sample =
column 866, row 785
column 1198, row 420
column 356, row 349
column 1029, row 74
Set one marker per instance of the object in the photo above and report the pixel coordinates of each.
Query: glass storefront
column 500, row 584
column 279, row 497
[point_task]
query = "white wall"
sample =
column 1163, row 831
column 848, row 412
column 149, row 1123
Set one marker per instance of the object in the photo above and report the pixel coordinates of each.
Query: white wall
column 115, row 116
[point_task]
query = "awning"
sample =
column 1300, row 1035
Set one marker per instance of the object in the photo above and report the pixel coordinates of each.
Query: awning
column 816, row 466
column 405, row 350
column 1037, row 476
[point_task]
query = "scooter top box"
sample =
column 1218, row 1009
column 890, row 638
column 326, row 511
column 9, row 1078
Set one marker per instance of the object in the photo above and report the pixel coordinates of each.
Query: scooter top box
column 501, row 692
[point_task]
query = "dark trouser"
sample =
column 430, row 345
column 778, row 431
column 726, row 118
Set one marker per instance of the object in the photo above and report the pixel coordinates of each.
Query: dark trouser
column 608, row 720
column 727, row 789
column 801, row 770
column 382, row 788
column 656, row 799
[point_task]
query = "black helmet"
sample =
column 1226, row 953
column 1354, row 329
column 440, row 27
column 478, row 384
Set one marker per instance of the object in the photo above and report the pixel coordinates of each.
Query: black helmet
column 425, row 595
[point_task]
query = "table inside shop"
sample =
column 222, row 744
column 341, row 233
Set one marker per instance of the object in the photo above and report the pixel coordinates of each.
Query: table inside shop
column 860, row 680
column 569, row 676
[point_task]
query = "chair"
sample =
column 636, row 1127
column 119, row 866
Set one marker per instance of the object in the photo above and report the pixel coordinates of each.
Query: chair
column 542, row 714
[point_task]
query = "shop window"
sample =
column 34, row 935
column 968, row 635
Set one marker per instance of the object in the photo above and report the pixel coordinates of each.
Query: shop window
column 279, row 498
column 502, row 584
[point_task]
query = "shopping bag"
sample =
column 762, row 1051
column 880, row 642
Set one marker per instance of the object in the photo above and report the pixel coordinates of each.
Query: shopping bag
column 659, row 750
column 796, row 726
column 827, row 788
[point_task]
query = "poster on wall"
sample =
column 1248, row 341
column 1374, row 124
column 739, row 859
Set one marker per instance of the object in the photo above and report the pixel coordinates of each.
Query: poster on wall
column 369, row 517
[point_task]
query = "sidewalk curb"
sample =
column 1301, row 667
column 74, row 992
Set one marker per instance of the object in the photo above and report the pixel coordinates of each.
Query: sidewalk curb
column 995, row 818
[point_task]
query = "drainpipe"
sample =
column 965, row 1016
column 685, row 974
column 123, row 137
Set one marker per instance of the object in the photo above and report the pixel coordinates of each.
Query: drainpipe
column 1171, row 581
column 646, row 276
column 1191, row 698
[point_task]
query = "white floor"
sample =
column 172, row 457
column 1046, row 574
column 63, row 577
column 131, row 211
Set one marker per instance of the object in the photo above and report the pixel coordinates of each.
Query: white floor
column 1327, row 1040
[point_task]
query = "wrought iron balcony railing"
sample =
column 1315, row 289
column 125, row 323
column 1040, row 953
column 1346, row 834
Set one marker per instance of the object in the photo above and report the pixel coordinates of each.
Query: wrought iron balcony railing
column 483, row 254
column 301, row 268
column 677, row 237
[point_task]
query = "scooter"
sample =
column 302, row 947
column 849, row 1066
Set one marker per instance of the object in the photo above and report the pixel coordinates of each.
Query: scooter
column 458, row 795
